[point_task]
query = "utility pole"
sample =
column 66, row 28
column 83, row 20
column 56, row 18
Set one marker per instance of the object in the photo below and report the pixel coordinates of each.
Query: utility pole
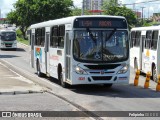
column 142, row 14
column 82, row 7
column 148, row 13
column 0, row 12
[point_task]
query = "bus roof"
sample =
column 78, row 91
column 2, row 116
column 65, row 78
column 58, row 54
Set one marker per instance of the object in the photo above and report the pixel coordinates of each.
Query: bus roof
column 6, row 30
column 69, row 20
column 146, row 28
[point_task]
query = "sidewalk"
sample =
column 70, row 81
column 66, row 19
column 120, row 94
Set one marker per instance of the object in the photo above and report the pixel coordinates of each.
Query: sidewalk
column 13, row 83
column 142, row 79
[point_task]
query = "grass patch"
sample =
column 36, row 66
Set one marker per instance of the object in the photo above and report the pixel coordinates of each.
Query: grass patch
column 21, row 40
column 20, row 37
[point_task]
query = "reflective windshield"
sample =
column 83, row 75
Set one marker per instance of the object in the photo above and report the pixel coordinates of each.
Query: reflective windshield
column 104, row 45
column 8, row 36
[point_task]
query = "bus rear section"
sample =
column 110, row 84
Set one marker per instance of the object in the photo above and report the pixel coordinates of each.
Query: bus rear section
column 8, row 39
column 145, row 50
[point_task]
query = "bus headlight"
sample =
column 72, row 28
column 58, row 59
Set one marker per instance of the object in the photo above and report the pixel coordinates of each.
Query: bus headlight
column 80, row 70
column 124, row 69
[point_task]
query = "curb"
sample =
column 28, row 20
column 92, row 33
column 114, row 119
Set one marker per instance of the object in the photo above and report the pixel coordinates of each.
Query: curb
column 21, row 92
column 23, row 44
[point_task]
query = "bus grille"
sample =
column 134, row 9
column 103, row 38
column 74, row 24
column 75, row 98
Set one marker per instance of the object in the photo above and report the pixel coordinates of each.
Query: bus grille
column 100, row 67
column 108, row 72
column 8, row 44
column 101, row 77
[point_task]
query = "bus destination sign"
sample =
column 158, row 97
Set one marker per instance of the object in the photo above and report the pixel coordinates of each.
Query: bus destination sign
column 90, row 23
column 100, row 23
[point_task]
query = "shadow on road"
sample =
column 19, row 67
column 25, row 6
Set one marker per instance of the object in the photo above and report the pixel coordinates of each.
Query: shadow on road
column 8, row 56
column 121, row 91
column 20, row 49
column 15, row 49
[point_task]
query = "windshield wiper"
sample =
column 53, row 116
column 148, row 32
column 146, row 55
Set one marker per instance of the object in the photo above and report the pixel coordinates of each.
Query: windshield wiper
column 110, row 35
column 91, row 35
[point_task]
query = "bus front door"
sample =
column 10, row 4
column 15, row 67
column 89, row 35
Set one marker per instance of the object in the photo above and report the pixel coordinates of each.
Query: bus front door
column 142, row 54
column 47, row 39
column 68, row 56
column 32, row 47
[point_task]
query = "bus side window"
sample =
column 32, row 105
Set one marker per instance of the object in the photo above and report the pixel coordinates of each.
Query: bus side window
column 37, row 37
column 39, row 34
column 42, row 37
column 148, row 39
column 154, row 40
column 137, row 38
column 61, row 36
column 54, row 37
column 133, row 33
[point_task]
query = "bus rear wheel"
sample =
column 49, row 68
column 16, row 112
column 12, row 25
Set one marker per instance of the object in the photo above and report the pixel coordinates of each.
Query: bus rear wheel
column 62, row 83
column 154, row 74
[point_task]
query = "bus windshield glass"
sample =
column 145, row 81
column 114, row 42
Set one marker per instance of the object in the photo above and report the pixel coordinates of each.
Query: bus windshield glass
column 101, row 46
column 8, row 36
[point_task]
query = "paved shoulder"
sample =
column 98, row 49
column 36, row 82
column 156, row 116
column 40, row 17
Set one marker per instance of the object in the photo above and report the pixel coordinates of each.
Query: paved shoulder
column 13, row 83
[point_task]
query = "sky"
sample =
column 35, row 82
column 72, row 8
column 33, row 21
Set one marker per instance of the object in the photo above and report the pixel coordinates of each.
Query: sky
column 150, row 8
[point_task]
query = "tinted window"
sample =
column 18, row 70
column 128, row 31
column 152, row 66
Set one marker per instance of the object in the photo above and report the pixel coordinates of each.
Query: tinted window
column 154, row 40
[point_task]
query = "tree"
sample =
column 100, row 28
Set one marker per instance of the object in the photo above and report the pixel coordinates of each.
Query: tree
column 78, row 12
column 29, row 12
column 112, row 8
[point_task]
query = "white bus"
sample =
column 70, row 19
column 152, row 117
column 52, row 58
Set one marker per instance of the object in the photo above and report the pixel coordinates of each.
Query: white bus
column 8, row 39
column 145, row 50
column 82, row 50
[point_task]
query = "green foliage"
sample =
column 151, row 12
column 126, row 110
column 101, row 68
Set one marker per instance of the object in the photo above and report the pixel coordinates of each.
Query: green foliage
column 76, row 12
column 109, row 3
column 19, row 33
column 29, row 12
column 20, row 37
column 111, row 8
column 21, row 40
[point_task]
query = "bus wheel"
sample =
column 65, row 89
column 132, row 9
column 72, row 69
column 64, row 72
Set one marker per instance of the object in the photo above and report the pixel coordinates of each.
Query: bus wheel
column 154, row 74
column 108, row 85
column 135, row 65
column 39, row 70
column 63, row 84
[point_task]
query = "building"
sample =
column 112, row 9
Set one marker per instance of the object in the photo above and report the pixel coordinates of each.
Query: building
column 138, row 14
column 156, row 17
column 94, row 6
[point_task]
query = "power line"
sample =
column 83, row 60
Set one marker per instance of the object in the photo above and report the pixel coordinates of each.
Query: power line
column 143, row 2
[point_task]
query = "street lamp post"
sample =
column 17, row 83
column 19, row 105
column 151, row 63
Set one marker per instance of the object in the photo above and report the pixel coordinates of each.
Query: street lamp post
column 142, row 14
column 82, row 7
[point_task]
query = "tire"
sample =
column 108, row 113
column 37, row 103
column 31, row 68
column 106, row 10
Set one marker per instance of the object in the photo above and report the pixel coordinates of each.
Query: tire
column 154, row 74
column 39, row 70
column 108, row 85
column 62, row 83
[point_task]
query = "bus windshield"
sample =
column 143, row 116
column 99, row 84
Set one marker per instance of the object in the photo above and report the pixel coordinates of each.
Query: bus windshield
column 8, row 36
column 101, row 45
